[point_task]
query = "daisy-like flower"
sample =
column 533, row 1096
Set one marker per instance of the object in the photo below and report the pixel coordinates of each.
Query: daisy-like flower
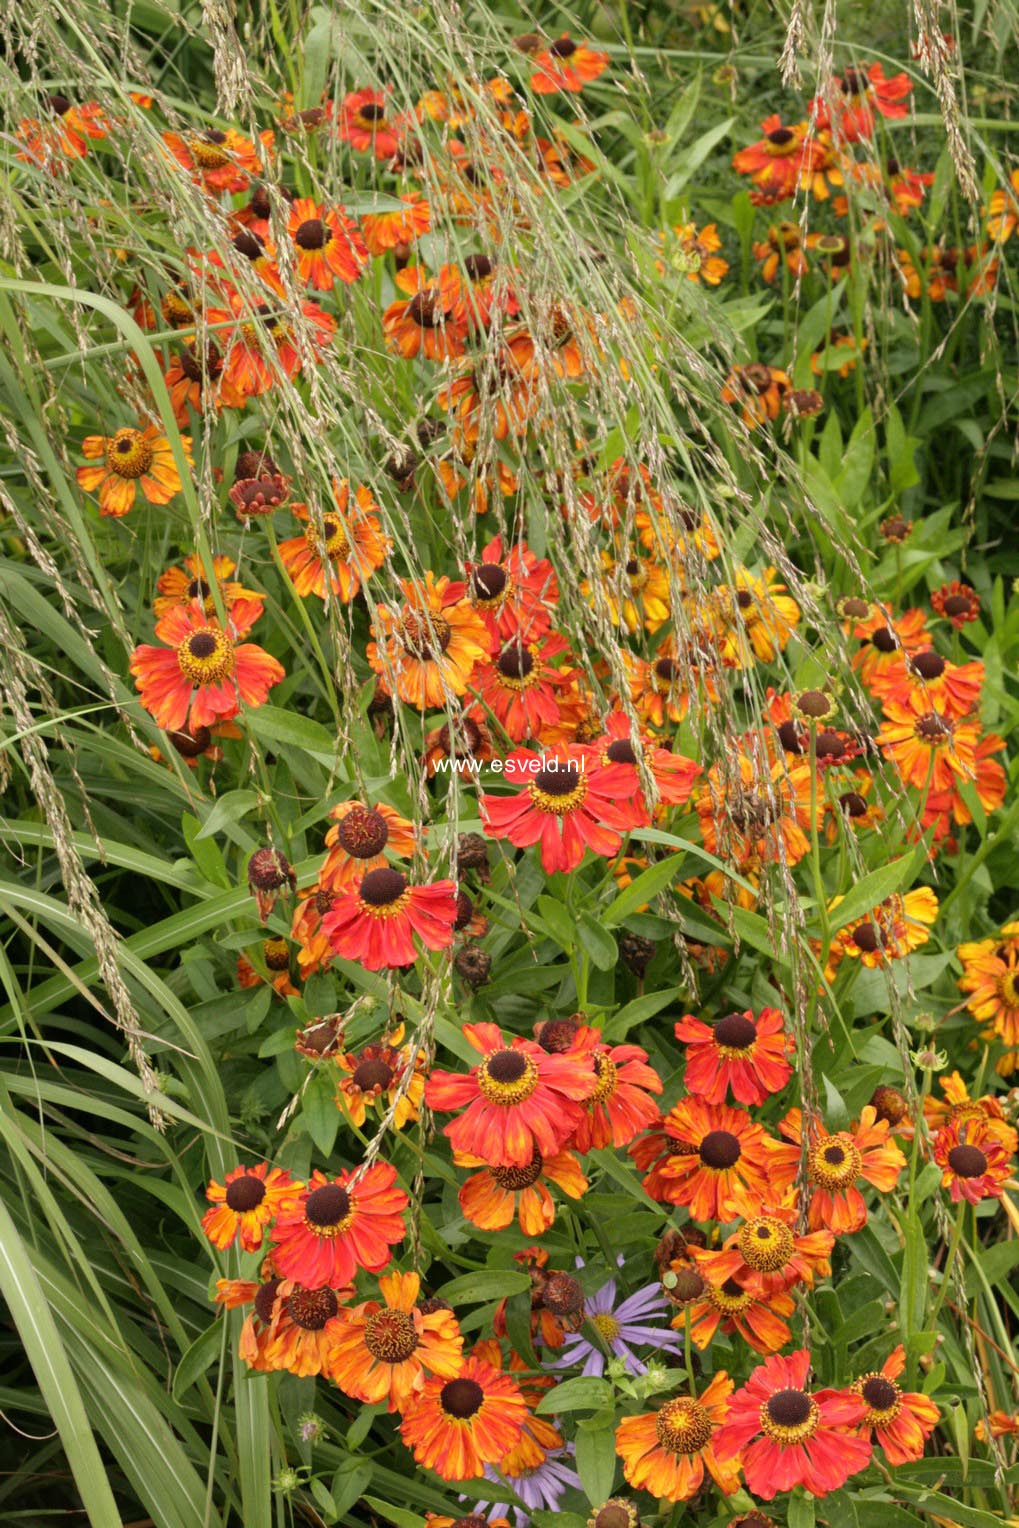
column 756, row 811
column 245, row 1203
column 457, row 1426
column 859, row 93
column 636, row 591
column 777, row 162
column 467, row 739
column 787, row 1436
column 517, row 1101
column 256, row 1333
column 496, row 391
column 618, row 773
column 382, row 1350
column 957, row 1105
column 202, row 675
column 884, row 636
column 764, row 615
column 716, row 1161
column 427, row 321
column 664, row 689
column 892, row 930
column 974, row 1158
column 302, row 1328
column 263, row 346
column 621, row 1105
column 927, row 746
column 377, row 1075
column 374, row 921
column 634, row 1321
column 513, row 589
column 64, row 134
column 566, row 65
column 758, row 389
column 561, row 807
column 493, row 1198
column 328, row 244
column 431, row 645
column 1003, row 211
column 990, row 980
column 693, row 252
column 836, row 1165
column 131, row 459
column 666, row 1452
column 195, row 379
column 539, row 1486
column 218, row 160
column 344, row 554
column 767, row 1253
column 758, row 1317
column 952, row 689
column 781, row 246
column 339, row 1225
column 183, row 585
column 359, row 840
column 898, row 1421
column 384, row 231
column 957, row 602
column 741, row 1051
column 521, row 685
column 363, row 121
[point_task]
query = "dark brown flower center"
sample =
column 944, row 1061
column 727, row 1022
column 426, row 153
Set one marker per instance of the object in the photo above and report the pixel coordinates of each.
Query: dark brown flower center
column 327, row 1206
column 362, row 832
column 879, row 1393
column 372, row 112
column 853, row 804
column 666, row 668
column 461, row 1398
column 929, row 665
column 311, row 234
column 477, row 267
column 507, row 1065
column 719, row 1149
column 933, row 727
column 245, row 1193
column 372, row 1073
column 202, row 645
column 967, row 1161
column 515, row 662
column 563, row 47
column 788, row 1408
column 489, row 580
column 557, row 1036
column 866, row 938
column 248, row 243
column 885, row 640
column 557, row 780
column 620, row 751
column 311, row 1308
column 265, row 1299
column 958, row 604
column 516, row 1178
column 380, row 888
column 735, row 1032
column 563, row 1295
column 780, row 136
column 789, row 737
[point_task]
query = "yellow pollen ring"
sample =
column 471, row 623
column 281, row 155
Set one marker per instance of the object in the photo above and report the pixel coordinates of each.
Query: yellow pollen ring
column 206, row 656
column 825, row 1170
column 559, row 806
column 128, row 454
column 508, row 1092
column 765, row 1244
column 336, row 543
column 605, row 1070
column 683, row 1426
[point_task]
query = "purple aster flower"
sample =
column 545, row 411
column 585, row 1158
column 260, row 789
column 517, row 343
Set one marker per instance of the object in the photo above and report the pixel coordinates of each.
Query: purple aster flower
column 541, row 1488
column 620, row 1325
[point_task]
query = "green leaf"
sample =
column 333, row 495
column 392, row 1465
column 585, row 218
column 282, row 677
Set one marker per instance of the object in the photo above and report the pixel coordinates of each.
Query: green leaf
column 276, row 725
column 485, row 1284
column 230, row 808
column 582, row 1394
column 643, row 888
column 200, row 1356
column 597, row 942
column 872, row 889
column 596, row 1462
column 558, row 922
column 398, row 1515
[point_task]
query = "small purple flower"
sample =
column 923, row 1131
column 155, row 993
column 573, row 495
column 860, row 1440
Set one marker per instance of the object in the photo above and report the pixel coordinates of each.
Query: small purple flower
column 620, row 1325
column 541, row 1488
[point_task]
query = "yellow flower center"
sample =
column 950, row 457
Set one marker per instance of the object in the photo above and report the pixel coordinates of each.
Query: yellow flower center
column 335, row 544
column 516, row 1178
column 605, row 1070
column 128, row 454
column 607, row 1325
column 1007, row 988
column 425, row 636
column 206, row 150
column 507, row 1077
column 683, row 1426
column 206, row 656
column 390, row 1335
column 790, row 1416
column 731, row 1299
column 834, row 1163
column 765, row 1244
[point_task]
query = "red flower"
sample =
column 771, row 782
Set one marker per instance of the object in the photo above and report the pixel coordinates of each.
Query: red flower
column 339, row 1225
column 777, row 162
column 620, row 1106
column 835, row 1164
column 521, row 687
column 202, row 675
column 862, row 91
column 716, row 1161
column 741, row 1052
column 263, row 346
column 806, row 1439
column 561, row 806
column 374, row 923
column 974, row 1159
column 618, row 776
column 328, row 245
column 364, row 123
column 513, row 590
column 899, row 1421
column 457, row 1426
column 517, row 1101
column 566, row 65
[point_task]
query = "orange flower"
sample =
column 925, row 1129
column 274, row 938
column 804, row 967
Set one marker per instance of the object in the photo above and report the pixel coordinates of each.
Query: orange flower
column 566, row 65
column 929, row 748
column 562, row 807
column 517, row 1101
column 378, row 1075
column 514, row 590
column 183, row 586
column 497, row 390
column 694, row 253
column 363, row 122
column 244, row 1204
column 64, row 134
column 617, row 773
column 956, row 1106
column 860, row 93
column 347, row 551
column 263, row 346
column 782, row 246
column 302, row 1328
column 374, row 921
column 663, row 689
column 202, row 675
column 358, row 840
column 953, row 689
column 975, row 1159
column 387, row 230
column 195, row 379
column 457, row 1426
column 899, row 1421
column 431, row 645
column 990, row 978
column 741, row 1052
column 131, row 459
column 428, row 321
column 494, row 1198
column 636, row 590
column 620, row 1106
column 1003, row 211
column 714, row 1160
column 383, row 1351
column 328, row 244
column 339, row 1225
column 777, row 162
column 890, row 931
column 220, row 161
column 757, row 1317
column 767, row 1254
column 885, row 638
column 758, row 389
column 467, row 741
column 765, row 619
column 835, row 1166
column 957, row 602
column 521, row 687
column 666, row 1452
column 756, row 811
